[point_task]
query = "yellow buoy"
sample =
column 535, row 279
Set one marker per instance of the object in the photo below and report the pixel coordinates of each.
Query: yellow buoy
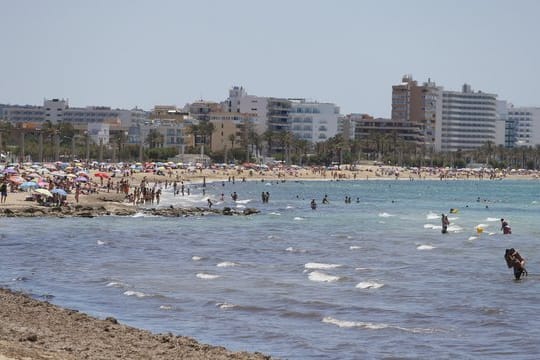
column 479, row 230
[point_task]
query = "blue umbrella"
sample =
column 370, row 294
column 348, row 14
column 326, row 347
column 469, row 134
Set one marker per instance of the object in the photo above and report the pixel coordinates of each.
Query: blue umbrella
column 28, row 185
column 60, row 192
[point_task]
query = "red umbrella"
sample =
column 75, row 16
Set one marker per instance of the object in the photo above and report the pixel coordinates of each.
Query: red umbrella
column 102, row 175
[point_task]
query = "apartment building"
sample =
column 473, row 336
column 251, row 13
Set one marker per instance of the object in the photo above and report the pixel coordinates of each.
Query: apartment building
column 420, row 106
column 525, row 125
column 469, row 119
column 313, row 121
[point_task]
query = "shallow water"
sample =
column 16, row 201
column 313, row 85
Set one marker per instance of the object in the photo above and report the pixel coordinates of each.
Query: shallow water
column 369, row 279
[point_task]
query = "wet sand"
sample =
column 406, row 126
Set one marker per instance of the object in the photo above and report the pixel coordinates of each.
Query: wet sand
column 32, row 329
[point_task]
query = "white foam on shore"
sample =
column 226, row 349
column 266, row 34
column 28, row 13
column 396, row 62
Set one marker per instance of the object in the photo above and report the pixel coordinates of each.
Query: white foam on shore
column 319, row 276
column 354, row 247
column 369, row 285
column 372, row 326
column 166, row 307
column 321, row 266
column 298, row 218
column 425, row 247
column 101, row 242
column 454, row 228
column 140, row 214
column 289, row 207
column 385, row 215
column 431, row 226
column 138, row 294
column 227, row 264
column 196, row 258
column 275, row 213
column 243, row 201
column 207, row 276
column 471, row 238
column 490, row 219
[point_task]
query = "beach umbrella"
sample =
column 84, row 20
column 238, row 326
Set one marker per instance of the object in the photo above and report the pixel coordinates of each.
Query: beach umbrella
column 43, row 192
column 28, row 185
column 58, row 173
column 102, row 175
column 43, row 184
column 59, row 191
column 16, row 179
column 81, row 179
column 10, row 171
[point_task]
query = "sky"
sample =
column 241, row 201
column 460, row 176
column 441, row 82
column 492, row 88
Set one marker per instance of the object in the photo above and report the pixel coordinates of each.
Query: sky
column 134, row 53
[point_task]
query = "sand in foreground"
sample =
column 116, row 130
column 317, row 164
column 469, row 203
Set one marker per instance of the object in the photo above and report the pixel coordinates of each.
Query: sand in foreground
column 32, row 329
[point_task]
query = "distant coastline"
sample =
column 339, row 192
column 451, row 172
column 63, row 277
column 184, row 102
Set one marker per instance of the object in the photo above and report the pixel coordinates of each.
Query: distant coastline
column 104, row 201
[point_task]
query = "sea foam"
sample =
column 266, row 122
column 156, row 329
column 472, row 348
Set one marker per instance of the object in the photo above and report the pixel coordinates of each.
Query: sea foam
column 373, row 326
column 207, row 276
column 319, row 276
column 138, row 294
column 321, row 266
column 425, row 247
column 369, row 285
column 226, row 264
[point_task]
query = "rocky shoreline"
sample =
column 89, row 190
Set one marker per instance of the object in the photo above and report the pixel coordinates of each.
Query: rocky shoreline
column 116, row 209
column 32, row 329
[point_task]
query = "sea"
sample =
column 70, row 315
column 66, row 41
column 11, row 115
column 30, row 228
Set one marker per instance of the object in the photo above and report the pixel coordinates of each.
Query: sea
column 373, row 278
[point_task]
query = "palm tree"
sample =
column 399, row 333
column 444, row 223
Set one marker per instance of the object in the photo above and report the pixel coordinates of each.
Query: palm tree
column 232, row 139
column 155, row 139
column 269, row 137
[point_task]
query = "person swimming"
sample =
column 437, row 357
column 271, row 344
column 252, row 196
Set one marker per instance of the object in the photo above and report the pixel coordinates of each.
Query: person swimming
column 516, row 261
column 313, row 204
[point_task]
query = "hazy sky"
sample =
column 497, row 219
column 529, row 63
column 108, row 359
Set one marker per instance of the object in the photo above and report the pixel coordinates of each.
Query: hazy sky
column 127, row 53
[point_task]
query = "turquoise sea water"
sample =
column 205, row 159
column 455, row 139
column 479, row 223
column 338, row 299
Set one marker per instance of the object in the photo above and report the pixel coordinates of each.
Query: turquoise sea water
column 367, row 279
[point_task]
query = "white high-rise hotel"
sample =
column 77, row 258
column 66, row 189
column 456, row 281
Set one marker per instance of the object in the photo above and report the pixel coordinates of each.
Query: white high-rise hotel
column 449, row 120
column 469, row 119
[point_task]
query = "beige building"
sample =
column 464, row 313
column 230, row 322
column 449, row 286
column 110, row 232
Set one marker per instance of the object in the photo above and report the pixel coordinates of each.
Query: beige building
column 421, row 106
column 231, row 130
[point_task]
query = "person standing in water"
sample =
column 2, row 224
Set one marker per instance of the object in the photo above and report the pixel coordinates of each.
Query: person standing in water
column 506, row 229
column 445, row 222
column 516, row 261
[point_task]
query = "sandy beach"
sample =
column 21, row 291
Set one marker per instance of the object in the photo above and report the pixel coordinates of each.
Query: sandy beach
column 114, row 200
column 33, row 329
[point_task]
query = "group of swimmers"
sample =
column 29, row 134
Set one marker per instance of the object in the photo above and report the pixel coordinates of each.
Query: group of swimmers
column 513, row 258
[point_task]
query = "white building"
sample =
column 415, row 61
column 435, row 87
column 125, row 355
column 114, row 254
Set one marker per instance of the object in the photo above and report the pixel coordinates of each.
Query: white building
column 240, row 102
column 469, row 119
column 309, row 120
column 526, row 121
column 54, row 110
column 313, row 121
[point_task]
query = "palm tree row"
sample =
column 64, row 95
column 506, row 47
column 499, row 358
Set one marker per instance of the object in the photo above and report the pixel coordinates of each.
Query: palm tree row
column 54, row 142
